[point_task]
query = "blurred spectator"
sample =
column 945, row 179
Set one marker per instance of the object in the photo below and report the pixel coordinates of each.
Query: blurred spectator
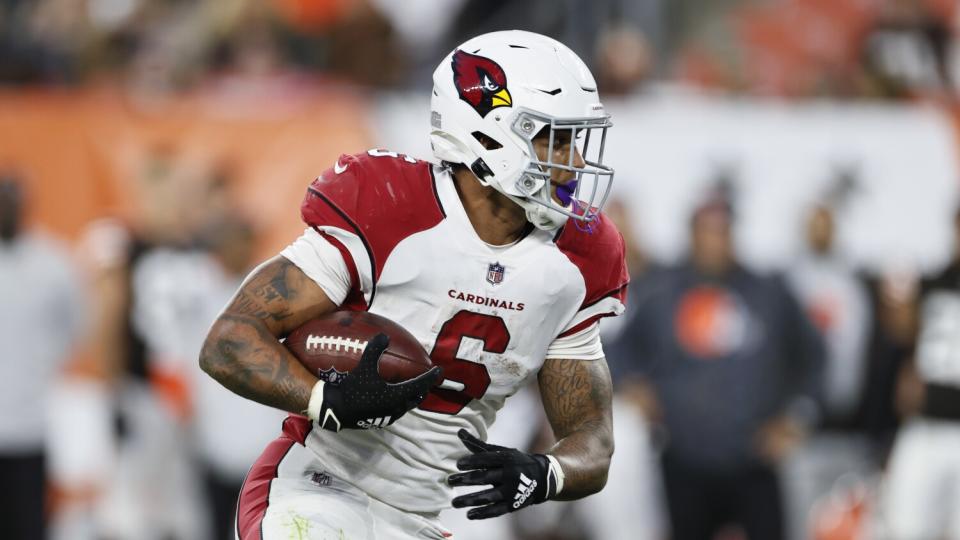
column 892, row 341
column 921, row 496
column 837, row 302
column 154, row 490
column 39, row 40
column 40, row 322
column 420, row 43
column 735, row 369
column 624, row 58
column 618, row 39
column 180, row 458
column 906, row 51
column 225, row 449
column 364, row 48
column 179, row 293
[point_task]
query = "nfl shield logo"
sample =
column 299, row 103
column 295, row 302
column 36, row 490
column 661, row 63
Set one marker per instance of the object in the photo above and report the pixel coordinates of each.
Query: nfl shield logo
column 331, row 375
column 495, row 273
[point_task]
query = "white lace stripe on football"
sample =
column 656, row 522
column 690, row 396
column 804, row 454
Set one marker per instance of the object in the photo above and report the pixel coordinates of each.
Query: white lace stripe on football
column 334, row 344
column 447, row 384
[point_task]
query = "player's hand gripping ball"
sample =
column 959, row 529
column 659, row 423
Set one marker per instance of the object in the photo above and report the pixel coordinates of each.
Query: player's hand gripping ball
column 371, row 370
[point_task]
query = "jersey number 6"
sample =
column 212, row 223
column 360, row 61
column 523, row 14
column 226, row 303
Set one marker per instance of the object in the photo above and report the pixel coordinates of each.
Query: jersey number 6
column 490, row 330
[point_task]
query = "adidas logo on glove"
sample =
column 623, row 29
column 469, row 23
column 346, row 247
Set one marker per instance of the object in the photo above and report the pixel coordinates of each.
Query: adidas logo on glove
column 524, row 490
column 373, row 423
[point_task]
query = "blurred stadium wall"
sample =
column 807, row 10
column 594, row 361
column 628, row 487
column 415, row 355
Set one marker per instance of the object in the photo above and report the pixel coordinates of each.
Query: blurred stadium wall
column 780, row 156
column 80, row 151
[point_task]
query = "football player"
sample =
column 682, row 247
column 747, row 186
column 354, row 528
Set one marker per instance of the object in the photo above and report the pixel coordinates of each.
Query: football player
column 920, row 497
column 496, row 258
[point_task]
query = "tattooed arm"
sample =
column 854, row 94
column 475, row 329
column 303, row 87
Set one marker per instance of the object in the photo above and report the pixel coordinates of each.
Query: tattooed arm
column 242, row 350
column 576, row 396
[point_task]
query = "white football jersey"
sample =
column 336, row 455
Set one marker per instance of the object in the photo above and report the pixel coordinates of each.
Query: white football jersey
column 487, row 314
column 838, row 304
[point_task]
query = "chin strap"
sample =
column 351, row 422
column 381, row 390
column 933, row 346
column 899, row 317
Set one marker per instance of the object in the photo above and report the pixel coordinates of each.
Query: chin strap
column 544, row 218
column 539, row 214
column 548, row 220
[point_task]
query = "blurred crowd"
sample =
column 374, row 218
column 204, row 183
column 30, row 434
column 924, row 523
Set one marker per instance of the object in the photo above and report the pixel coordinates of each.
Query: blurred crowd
column 775, row 397
column 819, row 401
column 893, row 49
column 114, row 432
column 175, row 45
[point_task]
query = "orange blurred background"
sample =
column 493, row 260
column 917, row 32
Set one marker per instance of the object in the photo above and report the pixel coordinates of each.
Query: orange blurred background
column 84, row 153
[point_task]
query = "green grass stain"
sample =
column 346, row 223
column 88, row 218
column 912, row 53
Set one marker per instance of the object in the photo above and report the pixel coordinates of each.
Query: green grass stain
column 298, row 525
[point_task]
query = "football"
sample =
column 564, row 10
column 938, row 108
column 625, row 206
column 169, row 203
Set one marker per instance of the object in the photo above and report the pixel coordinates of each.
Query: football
column 331, row 345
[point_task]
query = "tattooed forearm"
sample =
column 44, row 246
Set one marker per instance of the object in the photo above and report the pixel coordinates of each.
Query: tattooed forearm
column 576, row 397
column 242, row 350
column 247, row 359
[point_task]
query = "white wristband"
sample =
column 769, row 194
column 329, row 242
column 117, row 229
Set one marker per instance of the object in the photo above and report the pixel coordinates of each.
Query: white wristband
column 557, row 473
column 316, row 401
column 315, row 407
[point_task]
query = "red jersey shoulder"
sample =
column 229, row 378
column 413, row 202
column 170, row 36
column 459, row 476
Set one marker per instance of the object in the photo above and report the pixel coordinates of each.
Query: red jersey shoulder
column 381, row 196
column 597, row 250
column 375, row 184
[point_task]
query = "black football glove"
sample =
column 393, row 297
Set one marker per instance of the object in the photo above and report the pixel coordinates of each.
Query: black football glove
column 519, row 479
column 363, row 400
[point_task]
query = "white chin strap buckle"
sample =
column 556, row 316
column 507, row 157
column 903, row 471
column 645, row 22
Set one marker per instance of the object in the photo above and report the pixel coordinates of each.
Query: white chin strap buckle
column 545, row 218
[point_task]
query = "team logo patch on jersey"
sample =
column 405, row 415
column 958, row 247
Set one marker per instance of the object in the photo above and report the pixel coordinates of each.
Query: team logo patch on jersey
column 480, row 82
column 332, row 376
column 495, row 273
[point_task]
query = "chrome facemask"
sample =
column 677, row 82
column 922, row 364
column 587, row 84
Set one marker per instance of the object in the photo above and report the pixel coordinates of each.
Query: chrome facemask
column 584, row 197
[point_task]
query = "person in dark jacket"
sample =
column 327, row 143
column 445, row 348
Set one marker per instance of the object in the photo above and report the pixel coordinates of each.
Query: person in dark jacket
column 734, row 368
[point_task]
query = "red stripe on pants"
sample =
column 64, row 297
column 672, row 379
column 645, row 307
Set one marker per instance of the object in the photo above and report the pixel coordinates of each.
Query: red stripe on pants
column 297, row 427
column 254, row 496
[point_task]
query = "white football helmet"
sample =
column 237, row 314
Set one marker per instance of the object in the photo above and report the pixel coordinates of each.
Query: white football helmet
column 504, row 88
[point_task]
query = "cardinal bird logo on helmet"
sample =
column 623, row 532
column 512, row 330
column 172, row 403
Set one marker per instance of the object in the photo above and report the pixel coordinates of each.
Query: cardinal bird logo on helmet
column 480, row 82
